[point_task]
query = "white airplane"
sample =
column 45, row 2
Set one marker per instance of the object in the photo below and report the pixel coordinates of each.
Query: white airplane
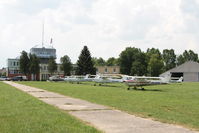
column 176, row 80
column 56, row 78
column 89, row 77
column 79, row 79
column 130, row 81
column 73, row 79
column 140, row 81
column 103, row 79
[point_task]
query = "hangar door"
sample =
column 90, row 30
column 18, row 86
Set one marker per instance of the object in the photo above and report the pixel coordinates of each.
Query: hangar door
column 176, row 74
column 191, row 77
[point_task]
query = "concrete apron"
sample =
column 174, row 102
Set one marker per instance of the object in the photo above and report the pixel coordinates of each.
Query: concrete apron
column 101, row 117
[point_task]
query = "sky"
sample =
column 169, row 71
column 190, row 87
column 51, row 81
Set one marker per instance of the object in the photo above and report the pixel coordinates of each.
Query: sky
column 107, row 27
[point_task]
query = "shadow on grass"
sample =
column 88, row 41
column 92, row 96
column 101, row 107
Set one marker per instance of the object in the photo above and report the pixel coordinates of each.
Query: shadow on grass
column 107, row 85
column 154, row 90
column 142, row 89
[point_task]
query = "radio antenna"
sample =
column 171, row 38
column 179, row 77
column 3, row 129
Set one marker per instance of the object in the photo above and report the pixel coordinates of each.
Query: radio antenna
column 43, row 34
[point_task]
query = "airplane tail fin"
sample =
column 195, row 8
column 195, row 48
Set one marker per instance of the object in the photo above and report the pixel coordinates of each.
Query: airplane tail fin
column 180, row 80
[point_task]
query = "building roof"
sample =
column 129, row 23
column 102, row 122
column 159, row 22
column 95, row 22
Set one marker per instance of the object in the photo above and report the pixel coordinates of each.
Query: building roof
column 44, row 52
column 189, row 66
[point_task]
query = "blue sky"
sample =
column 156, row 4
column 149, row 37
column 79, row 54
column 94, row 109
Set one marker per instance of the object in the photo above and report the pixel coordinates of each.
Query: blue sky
column 105, row 26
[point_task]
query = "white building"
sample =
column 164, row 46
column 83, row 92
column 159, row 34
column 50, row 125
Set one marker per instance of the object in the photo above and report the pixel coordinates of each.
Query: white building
column 13, row 67
column 44, row 54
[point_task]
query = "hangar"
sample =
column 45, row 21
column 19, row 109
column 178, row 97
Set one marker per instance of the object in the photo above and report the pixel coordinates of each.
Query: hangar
column 189, row 71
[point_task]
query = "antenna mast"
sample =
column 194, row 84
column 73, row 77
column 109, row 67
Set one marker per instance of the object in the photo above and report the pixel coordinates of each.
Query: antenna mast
column 43, row 34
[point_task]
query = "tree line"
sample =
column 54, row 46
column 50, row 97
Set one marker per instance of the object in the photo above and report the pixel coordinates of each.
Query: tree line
column 132, row 61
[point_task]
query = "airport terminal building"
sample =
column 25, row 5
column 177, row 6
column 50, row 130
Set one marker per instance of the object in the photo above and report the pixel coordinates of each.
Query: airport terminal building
column 189, row 71
column 44, row 54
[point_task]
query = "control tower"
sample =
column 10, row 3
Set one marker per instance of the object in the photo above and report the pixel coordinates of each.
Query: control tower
column 44, row 54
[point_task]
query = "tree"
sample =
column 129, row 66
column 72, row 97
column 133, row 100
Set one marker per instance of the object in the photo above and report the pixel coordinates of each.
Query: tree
column 52, row 65
column 155, row 65
column 153, row 51
column 85, row 64
column 187, row 56
column 180, row 60
column 99, row 61
column 34, row 65
column 24, row 62
column 112, row 61
column 190, row 56
column 154, row 55
column 66, row 65
column 126, row 59
column 169, row 59
column 129, row 60
column 139, row 66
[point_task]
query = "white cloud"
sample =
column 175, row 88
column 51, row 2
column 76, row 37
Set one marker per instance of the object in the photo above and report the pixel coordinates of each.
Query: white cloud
column 106, row 27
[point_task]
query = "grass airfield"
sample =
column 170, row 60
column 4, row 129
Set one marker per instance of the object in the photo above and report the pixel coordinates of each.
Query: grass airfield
column 22, row 113
column 173, row 103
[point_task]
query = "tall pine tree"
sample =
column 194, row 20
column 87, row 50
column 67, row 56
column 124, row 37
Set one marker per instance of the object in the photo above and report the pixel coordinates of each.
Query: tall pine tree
column 24, row 62
column 85, row 64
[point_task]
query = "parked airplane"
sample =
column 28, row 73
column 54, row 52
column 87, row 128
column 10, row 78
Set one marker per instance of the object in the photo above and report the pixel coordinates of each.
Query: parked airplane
column 73, row 79
column 56, row 78
column 176, row 80
column 89, row 77
column 103, row 79
column 139, row 81
column 130, row 81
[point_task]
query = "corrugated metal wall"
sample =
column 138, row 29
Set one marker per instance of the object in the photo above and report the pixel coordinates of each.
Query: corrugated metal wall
column 191, row 77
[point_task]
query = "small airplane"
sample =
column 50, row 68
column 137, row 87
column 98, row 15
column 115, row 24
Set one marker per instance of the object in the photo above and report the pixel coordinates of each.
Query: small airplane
column 137, row 82
column 72, row 79
column 79, row 79
column 89, row 77
column 56, row 78
column 140, row 81
column 103, row 79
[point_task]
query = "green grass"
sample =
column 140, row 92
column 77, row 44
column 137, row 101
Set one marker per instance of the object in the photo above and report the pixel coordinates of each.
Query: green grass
column 22, row 113
column 173, row 103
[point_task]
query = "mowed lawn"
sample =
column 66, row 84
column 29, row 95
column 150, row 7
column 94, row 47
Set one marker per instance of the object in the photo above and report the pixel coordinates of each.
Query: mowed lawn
column 22, row 113
column 172, row 103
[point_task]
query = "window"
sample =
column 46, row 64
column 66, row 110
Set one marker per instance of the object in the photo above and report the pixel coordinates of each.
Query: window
column 11, row 72
column 17, row 63
column 13, row 63
column 16, row 72
column 114, row 70
column 106, row 70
